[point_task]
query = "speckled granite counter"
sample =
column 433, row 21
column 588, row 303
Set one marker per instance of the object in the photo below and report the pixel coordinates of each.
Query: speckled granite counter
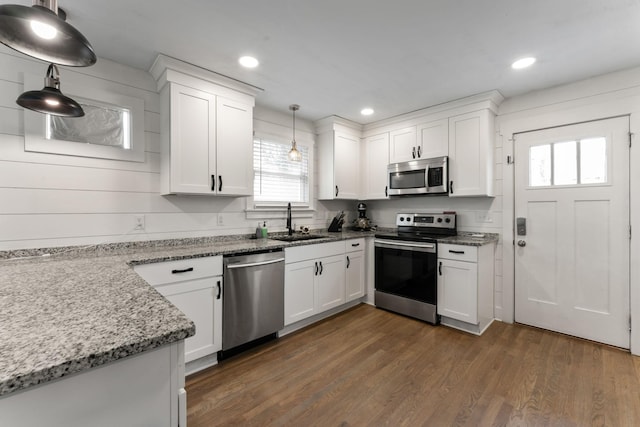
column 471, row 239
column 81, row 307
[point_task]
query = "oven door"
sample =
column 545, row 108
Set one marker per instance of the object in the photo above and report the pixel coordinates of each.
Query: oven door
column 406, row 269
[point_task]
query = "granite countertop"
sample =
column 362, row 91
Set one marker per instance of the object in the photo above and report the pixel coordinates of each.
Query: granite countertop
column 471, row 239
column 65, row 310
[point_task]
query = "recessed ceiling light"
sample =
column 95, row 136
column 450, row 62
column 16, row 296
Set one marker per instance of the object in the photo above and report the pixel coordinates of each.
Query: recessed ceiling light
column 366, row 111
column 248, row 61
column 523, row 63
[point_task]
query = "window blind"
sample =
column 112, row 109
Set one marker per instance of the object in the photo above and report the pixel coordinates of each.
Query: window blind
column 276, row 178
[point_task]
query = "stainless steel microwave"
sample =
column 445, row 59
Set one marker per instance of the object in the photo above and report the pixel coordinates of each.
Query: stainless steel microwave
column 415, row 177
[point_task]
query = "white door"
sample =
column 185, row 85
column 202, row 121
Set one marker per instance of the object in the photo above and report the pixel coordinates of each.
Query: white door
column 234, row 142
column 572, row 261
column 347, row 168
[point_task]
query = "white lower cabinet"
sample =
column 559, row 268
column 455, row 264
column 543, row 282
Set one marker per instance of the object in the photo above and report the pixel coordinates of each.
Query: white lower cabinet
column 355, row 262
column 323, row 276
column 145, row 389
column 465, row 286
column 194, row 286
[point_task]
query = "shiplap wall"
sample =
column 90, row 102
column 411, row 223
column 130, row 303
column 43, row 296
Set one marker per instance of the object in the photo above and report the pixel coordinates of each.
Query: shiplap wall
column 51, row 200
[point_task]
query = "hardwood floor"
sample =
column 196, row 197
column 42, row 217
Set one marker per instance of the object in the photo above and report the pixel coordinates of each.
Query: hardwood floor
column 369, row 367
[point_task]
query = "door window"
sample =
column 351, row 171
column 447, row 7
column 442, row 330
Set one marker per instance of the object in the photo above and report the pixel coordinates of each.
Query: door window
column 569, row 163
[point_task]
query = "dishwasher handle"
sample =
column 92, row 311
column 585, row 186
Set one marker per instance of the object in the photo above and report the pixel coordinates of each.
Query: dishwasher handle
column 254, row 264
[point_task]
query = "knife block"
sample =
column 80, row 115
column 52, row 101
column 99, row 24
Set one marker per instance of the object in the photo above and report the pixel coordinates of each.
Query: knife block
column 335, row 226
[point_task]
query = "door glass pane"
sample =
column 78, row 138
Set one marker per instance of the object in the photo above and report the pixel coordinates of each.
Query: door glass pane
column 593, row 160
column 565, row 168
column 540, row 165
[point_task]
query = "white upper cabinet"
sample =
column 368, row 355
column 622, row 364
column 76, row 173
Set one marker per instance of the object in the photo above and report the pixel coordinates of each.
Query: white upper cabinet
column 402, row 145
column 471, row 154
column 338, row 161
column 375, row 159
column 207, row 131
column 234, row 146
column 433, row 139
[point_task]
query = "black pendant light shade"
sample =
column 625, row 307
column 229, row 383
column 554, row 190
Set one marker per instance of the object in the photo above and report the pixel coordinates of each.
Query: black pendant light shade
column 50, row 100
column 39, row 32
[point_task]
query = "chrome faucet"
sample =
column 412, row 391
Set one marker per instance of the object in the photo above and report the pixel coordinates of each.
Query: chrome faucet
column 289, row 219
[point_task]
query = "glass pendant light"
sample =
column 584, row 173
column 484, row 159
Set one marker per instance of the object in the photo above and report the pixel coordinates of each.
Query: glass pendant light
column 40, row 31
column 50, row 100
column 294, row 155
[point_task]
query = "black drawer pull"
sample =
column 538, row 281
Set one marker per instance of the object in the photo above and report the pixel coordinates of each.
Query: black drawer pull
column 219, row 290
column 316, row 271
column 186, row 270
column 219, row 182
column 440, row 269
column 348, row 262
column 320, row 267
column 355, row 245
column 456, row 252
column 213, row 183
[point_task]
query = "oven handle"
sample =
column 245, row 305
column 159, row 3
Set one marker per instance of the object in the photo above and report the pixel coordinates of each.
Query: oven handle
column 392, row 244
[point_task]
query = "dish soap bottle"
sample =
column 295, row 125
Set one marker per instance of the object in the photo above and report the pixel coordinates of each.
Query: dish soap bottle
column 263, row 230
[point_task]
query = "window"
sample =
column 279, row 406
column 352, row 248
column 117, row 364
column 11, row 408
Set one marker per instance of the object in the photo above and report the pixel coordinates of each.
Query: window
column 112, row 128
column 102, row 125
column 276, row 179
column 569, row 163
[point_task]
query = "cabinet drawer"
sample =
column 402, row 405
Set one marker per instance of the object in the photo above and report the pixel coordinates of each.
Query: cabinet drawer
column 354, row 245
column 177, row 271
column 458, row 252
column 313, row 251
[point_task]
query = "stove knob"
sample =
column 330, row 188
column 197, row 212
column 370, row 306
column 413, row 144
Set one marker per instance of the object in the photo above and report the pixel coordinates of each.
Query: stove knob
column 401, row 219
column 447, row 220
column 439, row 219
column 408, row 219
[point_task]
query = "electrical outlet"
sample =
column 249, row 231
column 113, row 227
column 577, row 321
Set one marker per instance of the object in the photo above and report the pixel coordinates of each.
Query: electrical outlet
column 139, row 223
column 220, row 219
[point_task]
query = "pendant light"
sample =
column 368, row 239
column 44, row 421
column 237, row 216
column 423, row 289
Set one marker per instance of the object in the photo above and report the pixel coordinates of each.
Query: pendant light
column 294, row 155
column 50, row 100
column 40, row 31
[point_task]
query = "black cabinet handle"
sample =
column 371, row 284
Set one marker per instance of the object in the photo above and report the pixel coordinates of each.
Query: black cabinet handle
column 386, row 191
column 440, row 269
column 219, row 182
column 413, row 152
column 213, row 183
column 336, row 191
column 316, row 272
column 186, row 270
column 419, row 151
column 456, row 252
column 348, row 262
column 219, row 290
column 451, row 186
column 355, row 245
column 320, row 267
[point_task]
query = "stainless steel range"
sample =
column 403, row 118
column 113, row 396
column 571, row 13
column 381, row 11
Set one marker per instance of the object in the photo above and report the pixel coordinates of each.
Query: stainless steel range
column 406, row 264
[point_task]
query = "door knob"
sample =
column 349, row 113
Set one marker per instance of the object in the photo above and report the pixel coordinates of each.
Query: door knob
column 522, row 243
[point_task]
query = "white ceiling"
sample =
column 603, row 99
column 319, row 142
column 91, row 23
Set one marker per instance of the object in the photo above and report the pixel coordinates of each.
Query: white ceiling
column 337, row 56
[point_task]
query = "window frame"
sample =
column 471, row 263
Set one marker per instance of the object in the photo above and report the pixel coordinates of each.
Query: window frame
column 266, row 210
column 35, row 139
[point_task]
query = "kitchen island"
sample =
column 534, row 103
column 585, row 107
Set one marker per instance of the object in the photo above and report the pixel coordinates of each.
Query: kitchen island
column 66, row 312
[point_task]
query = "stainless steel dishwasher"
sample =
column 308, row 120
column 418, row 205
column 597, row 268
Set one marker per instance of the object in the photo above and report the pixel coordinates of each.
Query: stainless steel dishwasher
column 253, row 301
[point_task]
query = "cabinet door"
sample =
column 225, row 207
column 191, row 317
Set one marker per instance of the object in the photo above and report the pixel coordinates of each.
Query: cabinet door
column 402, row 145
column 346, row 166
column 471, row 154
column 192, row 146
column 234, row 163
column 375, row 162
column 299, row 298
column 458, row 290
column 330, row 281
column 201, row 301
column 433, row 139
column 355, row 275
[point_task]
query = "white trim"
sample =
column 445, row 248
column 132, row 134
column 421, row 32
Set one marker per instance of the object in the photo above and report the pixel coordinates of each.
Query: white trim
column 573, row 110
column 35, row 123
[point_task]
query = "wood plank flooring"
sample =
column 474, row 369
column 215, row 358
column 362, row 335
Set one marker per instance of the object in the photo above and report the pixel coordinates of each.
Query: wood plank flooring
column 369, row 367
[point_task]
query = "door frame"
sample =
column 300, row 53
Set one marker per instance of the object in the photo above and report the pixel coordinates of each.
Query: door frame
column 559, row 107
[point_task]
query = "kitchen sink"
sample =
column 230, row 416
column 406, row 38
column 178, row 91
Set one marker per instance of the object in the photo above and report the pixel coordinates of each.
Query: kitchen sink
column 298, row 237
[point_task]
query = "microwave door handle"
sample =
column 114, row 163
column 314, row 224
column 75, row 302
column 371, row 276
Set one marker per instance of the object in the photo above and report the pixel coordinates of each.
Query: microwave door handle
column 426, row 178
